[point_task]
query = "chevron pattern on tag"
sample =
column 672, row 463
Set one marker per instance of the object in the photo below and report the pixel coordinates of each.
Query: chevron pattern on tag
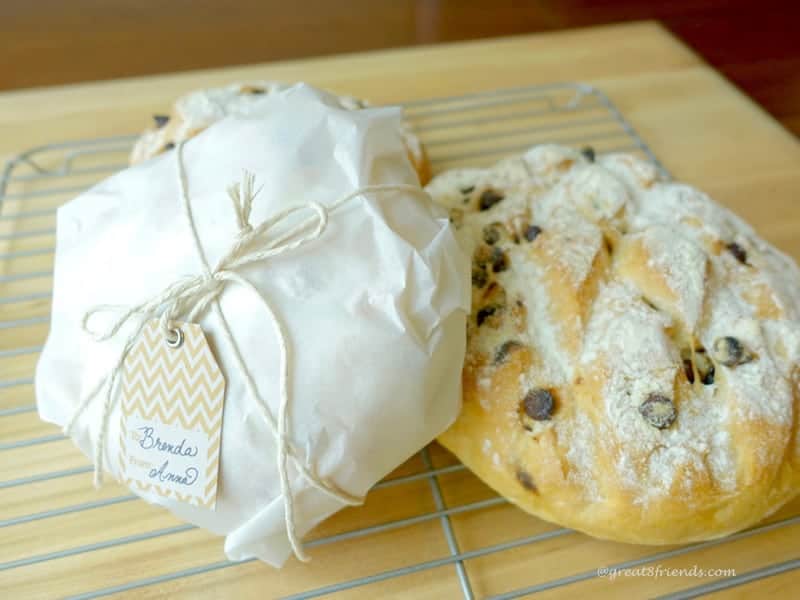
column 173, row 394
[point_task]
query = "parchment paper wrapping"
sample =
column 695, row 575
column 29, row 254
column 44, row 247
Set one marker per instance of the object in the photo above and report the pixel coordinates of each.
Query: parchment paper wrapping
column 374, row 310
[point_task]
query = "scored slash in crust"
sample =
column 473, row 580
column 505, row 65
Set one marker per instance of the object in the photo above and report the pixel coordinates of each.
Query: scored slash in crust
column 633, row 349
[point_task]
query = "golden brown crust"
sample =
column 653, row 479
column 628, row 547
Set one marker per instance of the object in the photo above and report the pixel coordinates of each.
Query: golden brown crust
column 650, row 393
column 420, row 162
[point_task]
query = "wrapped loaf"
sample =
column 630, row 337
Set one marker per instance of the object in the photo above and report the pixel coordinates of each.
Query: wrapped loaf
column 383, row 284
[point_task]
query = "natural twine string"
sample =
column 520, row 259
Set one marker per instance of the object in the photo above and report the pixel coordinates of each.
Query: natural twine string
column 189, row 297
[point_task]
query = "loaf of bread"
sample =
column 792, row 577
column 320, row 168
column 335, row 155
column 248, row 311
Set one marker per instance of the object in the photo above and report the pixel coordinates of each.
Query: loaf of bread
column 195, row 111
column 633, row 349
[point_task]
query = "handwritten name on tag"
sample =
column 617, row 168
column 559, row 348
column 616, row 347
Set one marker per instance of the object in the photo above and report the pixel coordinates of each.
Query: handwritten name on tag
column 172, row 396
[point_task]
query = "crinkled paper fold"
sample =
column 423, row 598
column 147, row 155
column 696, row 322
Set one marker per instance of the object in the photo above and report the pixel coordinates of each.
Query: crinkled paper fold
column 374, row 309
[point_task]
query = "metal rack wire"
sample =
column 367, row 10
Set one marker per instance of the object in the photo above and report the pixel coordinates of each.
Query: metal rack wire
column 470, row 130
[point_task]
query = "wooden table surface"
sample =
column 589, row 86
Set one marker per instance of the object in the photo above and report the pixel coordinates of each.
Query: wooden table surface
column 702, row 129
column 52, row 42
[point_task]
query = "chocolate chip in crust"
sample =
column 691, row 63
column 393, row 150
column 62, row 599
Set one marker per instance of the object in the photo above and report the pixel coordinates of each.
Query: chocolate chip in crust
column 658, row 411
column 526, row 480
column 480, row 276
column 161, row 120
column 707, row 378
column 506, row 348
column 489, row 198
column 484, row 313
column 532, row 232
column 169, row 146
column 538, row 404
column 499, row 260
column 731, row 352
column 588, row 152
column 738, row 252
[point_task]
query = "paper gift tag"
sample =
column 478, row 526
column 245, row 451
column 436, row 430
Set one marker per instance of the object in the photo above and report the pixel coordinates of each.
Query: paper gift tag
column 172, row 395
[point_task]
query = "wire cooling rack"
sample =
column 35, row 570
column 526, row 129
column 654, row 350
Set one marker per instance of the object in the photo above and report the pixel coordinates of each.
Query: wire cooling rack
column 471, row 130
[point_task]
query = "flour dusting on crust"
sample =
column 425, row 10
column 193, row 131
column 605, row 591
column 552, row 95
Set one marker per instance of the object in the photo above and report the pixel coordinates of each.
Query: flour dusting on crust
column 665, row 330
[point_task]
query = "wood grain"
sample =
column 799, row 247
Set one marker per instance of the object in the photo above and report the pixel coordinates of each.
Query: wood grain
column 49, row 42
column 704, row 130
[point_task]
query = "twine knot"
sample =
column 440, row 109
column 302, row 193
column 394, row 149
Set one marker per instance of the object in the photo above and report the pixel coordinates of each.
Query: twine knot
column 189, row 297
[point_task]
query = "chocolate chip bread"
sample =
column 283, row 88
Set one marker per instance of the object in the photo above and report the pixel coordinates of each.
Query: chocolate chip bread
column 633, row 349
column 195, row 111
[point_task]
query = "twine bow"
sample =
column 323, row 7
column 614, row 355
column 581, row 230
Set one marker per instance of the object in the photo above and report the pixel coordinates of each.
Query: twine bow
column 190, row 297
